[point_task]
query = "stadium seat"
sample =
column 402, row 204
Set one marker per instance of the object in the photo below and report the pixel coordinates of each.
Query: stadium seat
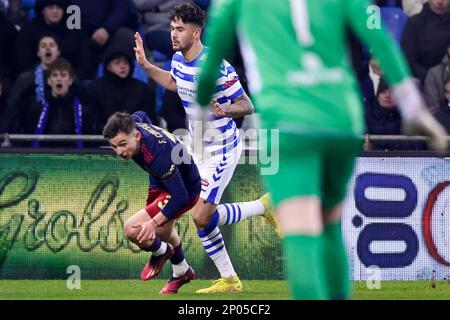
column 159, row 56
column 394, row 19
column 28, row 7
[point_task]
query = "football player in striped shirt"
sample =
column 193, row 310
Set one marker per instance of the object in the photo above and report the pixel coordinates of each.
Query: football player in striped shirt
column 224, row 150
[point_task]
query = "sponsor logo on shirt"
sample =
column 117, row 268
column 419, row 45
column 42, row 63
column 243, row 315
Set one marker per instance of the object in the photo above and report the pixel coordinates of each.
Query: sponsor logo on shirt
column 169, row 172
column 230, row 82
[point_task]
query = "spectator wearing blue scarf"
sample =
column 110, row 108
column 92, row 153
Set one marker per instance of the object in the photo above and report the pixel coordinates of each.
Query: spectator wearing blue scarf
column 51, row 17
column 30, row 85
column 61, row 110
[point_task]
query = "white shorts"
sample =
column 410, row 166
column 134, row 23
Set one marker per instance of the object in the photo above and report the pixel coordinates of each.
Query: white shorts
column 216, row 173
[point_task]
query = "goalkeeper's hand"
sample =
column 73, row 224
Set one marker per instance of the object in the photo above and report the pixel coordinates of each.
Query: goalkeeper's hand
column 416, row 119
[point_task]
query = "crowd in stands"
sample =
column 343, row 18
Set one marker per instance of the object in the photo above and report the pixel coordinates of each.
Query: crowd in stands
column 56, row 79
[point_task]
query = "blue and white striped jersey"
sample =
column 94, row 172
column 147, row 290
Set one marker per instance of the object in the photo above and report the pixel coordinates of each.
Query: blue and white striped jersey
column 229, row 88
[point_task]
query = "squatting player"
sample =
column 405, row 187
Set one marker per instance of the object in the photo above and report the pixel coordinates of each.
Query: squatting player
column 173, row 190
column 302, row 84
column 230, row 101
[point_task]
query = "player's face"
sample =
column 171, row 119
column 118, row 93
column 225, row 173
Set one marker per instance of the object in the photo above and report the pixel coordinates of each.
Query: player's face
column 120, row 67
column 126, row 145
column 439, row 6
column 48, row 50
column 183, row 35
column 60, row 81
column 52, row 14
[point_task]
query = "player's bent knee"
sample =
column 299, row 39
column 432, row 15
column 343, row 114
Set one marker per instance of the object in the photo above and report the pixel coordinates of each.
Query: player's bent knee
column 202, row 214
column 130, row 231
column 200, row 220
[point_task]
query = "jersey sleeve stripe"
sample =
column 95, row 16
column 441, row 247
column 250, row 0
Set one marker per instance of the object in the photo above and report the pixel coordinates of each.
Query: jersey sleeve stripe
column 236, row 94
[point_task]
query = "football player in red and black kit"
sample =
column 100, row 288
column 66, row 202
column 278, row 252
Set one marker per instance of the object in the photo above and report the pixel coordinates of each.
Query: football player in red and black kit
column 174, row 189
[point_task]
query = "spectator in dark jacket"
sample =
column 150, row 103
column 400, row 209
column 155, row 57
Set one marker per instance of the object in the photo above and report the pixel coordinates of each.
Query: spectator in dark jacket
column 18, row 11
column 50, row 19
column 117, row 90
column 3, row 99
column 30, row 86
column 369, row 83
column 102, row 19
column 62, row 110
column 426, row 36
column 443, row 114
column 433, row 89
column 383, row 118
column 2, row 95
column 8, row 36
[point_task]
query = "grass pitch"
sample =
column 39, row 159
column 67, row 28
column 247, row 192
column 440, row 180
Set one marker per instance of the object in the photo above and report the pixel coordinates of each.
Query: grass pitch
column 254, row 290
column 135, row 290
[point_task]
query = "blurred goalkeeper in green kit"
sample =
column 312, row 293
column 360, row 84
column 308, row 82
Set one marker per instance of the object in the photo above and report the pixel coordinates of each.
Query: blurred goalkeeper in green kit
column 300, row 78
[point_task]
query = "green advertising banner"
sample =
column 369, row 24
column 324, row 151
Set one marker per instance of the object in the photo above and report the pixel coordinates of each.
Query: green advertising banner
column 58, row 211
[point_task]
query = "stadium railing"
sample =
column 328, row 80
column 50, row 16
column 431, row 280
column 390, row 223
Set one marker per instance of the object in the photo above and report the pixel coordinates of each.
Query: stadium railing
column 7, row 140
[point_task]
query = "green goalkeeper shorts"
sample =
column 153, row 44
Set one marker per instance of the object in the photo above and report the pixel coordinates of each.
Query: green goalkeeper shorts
column 312, row 166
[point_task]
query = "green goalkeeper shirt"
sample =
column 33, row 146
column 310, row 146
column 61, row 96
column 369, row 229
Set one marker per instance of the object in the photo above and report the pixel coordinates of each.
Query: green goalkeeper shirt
column 296, row 59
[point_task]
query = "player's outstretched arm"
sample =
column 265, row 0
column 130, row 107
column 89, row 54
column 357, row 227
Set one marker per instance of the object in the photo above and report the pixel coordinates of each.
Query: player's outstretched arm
column 162, row 77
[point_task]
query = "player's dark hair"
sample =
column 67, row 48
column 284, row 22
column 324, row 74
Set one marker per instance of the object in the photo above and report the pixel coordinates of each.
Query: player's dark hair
column 118, row 122
column 188, row 13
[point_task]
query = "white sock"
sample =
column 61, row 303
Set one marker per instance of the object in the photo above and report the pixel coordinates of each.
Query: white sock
column 180, row 269
column 230, row 213
column 161, row 249
column 215, row 248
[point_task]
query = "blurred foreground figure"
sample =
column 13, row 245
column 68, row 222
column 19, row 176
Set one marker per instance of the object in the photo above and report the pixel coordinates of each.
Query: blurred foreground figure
column 302, row 85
